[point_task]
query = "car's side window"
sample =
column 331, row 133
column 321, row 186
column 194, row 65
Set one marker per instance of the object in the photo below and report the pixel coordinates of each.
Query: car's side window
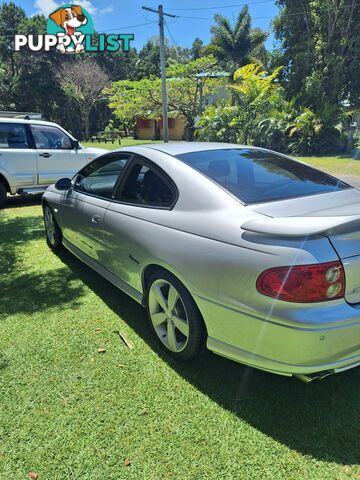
column 145, row 186
column 101, row 176
column 13, row 135
column 50, row 138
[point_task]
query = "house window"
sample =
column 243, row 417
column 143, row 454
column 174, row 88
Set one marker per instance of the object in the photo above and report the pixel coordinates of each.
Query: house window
column 171, row 123
column 143, row 123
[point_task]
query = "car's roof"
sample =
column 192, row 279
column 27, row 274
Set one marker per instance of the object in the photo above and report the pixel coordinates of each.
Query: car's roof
column 178, row 148
column 23, row 120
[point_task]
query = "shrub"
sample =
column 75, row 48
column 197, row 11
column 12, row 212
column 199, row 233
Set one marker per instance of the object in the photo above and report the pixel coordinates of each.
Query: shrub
column 317, row 133
column 263, row 117
column 218, row 124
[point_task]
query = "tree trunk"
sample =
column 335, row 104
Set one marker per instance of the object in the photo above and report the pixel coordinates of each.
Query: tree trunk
column 85, row 115
column 190, row 129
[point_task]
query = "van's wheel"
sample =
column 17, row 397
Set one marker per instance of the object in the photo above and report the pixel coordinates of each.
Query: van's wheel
column 174, row 316
column 3, row 193
column 53, row 232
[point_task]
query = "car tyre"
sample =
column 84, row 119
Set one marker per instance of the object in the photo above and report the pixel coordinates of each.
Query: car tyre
column 3, row 193
column 174, row 316
column 52, row 229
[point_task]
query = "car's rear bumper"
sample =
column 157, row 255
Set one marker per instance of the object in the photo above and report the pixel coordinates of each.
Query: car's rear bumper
column 287, row 348
column 280, row 368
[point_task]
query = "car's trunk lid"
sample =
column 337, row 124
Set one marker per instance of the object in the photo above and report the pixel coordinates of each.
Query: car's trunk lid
column 334, row 215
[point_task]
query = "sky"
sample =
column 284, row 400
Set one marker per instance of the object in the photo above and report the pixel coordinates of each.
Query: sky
column 194, row 17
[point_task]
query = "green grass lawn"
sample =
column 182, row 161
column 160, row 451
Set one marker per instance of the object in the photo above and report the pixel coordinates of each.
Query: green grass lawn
column 335, row 165
column 125, row 142
column 69, row 412
column 338, row 166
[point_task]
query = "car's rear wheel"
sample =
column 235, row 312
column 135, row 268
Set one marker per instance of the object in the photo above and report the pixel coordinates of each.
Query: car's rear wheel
column 3, row 193
column 53, row 232
column 174, row 316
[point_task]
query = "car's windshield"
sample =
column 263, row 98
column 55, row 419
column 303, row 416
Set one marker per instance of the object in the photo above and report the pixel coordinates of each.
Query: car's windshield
column 256, row 176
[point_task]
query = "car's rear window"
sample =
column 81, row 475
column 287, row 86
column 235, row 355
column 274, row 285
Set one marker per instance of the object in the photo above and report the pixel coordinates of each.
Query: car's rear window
column 256, row 176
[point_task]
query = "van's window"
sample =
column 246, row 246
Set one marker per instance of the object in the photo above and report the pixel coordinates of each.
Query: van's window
column 256, row 176
column 50, row 138
column 13, row 135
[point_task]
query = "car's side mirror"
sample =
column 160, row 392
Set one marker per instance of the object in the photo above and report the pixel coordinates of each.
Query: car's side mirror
column 63, row 184
column 76, row 144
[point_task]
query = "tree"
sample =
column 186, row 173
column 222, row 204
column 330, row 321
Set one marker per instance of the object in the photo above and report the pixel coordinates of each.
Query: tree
column 197, row 49
column 129, row 99
column 48, row 98
column 83, row 81
column 262, row 116
column 320, row 50
column 11, row 17
column 187, row 85
column 317, row 133
column 31, row 81
column 118, row 65
column 255, row 96
column 23, row 84
column 148, row 62
column 235, row 44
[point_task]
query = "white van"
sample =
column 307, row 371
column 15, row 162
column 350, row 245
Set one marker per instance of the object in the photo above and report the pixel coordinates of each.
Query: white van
column 34, row 154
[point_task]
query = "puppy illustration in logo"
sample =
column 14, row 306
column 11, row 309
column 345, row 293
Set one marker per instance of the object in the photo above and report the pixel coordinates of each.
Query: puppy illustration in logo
column 69, row 19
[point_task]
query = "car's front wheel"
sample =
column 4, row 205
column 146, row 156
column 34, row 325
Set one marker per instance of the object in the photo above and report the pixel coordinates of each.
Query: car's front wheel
column 53, row 232
column 2, row 194
column 174, row 316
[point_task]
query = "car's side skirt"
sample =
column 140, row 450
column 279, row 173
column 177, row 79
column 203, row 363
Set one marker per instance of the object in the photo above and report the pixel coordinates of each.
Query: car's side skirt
column 138, row 296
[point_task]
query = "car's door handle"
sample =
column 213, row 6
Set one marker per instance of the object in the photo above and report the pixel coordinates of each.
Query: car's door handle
column 96, row 219
column 46, row 155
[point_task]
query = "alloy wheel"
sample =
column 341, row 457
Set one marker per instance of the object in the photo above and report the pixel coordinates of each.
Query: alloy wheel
column 49, row 225
column 168, row 315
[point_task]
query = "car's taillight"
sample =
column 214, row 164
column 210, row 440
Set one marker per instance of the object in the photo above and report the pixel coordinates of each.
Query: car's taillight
column 304, row 283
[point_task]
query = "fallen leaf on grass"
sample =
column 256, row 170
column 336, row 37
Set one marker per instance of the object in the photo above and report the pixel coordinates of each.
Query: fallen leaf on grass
column 102, row 350
column 33, row 475
column 124, row 338
column 127, row 462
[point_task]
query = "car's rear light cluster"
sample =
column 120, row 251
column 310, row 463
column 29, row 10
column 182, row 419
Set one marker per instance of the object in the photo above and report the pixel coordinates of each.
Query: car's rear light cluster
column 304, row 283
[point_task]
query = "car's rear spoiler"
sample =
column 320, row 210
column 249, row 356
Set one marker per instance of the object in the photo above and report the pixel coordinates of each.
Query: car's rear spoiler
column 300, row 226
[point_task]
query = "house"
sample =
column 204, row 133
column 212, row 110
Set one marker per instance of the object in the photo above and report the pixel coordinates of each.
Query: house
column 150, row 129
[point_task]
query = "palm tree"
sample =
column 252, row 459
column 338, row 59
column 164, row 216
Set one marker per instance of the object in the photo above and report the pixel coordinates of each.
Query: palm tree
column 236, row 44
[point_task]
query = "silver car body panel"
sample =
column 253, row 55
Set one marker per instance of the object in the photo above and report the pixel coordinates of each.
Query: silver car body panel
column 203, row 243
column 296, row 227
column 337, row 216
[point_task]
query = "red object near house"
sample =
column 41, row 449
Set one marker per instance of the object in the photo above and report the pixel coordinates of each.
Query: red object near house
column 171, row 123
column 143, row 123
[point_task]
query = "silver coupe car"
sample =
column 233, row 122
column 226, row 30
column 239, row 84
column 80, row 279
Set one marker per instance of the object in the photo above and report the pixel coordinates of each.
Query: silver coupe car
column 243, row 249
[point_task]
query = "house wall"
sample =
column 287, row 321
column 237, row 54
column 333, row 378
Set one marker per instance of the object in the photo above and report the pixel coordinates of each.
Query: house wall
column 176, row 132
column 146, row 133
